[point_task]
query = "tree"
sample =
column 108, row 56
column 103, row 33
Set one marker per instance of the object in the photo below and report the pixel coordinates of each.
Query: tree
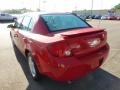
column 117, row 7
column 17, row 11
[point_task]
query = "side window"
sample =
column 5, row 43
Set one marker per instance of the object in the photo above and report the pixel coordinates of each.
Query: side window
column 30, row 25
column 2, row 14
column 18, row 22
column 25, row 23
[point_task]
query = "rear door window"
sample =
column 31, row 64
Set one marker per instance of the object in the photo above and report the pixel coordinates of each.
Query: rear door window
column 31, row 24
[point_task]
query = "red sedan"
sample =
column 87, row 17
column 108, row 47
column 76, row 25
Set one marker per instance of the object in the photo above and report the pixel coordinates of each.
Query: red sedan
column 59, row 45
column 118, row 17
column 111, row 18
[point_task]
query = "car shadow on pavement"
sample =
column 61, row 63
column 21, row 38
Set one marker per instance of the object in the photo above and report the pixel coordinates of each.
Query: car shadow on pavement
column 98, row 80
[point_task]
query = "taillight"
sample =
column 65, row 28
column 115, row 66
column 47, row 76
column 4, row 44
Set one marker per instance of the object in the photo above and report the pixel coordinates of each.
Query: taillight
column 97, row 40
column 60, row 49
column 94, row 42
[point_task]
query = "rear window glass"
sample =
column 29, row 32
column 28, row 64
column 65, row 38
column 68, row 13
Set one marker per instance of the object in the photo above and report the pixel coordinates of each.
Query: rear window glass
column 58, row 22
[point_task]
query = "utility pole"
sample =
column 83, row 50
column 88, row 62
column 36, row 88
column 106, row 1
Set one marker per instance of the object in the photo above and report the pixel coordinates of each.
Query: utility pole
column 39, row 6
column 91, row 7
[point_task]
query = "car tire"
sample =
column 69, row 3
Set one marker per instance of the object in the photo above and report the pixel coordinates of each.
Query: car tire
column 32, row 67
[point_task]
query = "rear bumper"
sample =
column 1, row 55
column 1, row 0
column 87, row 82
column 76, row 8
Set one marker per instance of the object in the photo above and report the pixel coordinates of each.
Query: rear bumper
column 75, row 67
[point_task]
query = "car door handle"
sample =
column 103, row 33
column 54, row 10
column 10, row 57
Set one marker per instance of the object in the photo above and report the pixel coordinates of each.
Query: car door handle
column 15, row 35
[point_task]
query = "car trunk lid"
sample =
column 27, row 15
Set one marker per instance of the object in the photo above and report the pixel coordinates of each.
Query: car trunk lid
column 84, row 41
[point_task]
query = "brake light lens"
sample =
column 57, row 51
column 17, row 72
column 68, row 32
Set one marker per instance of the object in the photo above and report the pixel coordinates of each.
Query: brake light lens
column 60, row 49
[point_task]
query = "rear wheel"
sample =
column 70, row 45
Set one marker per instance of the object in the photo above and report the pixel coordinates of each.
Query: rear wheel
column 32, row 67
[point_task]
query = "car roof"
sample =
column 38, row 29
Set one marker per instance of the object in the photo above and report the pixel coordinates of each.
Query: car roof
column 36, row 15
column 41, row 13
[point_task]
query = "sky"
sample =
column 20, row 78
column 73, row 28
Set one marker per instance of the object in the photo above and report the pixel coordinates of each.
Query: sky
column 58, row 5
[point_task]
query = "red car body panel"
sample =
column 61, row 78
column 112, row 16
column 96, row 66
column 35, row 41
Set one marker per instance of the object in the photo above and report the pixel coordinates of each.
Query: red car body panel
column 81, row 62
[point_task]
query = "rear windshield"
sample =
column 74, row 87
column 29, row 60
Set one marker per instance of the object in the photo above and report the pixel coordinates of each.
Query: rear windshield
column 58, row 22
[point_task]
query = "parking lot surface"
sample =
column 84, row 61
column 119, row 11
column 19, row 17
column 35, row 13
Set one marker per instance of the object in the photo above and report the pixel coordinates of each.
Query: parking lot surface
column 14, row 72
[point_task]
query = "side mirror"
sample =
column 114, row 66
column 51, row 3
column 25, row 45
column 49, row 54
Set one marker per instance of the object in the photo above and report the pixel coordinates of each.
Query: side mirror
column 11, row 26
